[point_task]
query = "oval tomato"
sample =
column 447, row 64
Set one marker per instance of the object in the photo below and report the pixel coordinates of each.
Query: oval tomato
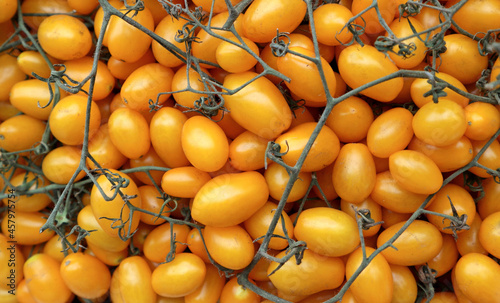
column 233, row 292
column 421, row 86
column 323, row 152
column 315, row 273
column 44, row 7
column 152, row 200
column 126, row 42
column 64, row 37
column 44, row 280
column 483, row 120
column 129, row 132
column 402, row 28
column 122, row 70
column 114, row 217
column 354, row 172
column 234, row 58
column 367, row 204
column 168, row 28
column 360, row 65
column 415, row 172
column 327, row 231
column 67, row 121
column 101, row 239
column 104, row 152
column 405, row 288
column 165, row 131
column 27, row 227
column 79, row 69
column 447, row 158
column 25, row 182
column 370, row 19
column 476, row 17
column 61, row 163
column 420, row 242
column 488, row 233
column 490, row 158
column 158, row 242
column 440, row 124
column 277, row 179
column 185, row 82
column 258, row 224
column 378, row 272
column 462, row 202
column 261, row 21
column 475, row 276
column 447, row 257
column 390, row 132
column 145, row 85
column 331, row 18
column 247, row 151
column 32, row 97
column 230, row 246
column 204, row 143
column 210, row 290
column 305, row 80
column 230, row 199
column 134, row 280
column 184, row 182
column 179, row 277
column 468, row 240
column 259, row 107
column 10, row 74
column 354, row 112
column 20, row 132
column 85, row 275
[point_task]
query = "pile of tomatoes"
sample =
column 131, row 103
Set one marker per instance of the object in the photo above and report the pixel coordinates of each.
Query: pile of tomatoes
column 249, row 151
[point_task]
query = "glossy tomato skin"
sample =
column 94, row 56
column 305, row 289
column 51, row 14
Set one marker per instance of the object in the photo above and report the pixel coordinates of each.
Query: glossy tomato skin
column 20, row 132
column 331, row 18
column 315, row 273
column 79, row 69
column 420, row 86
column 235, row 59
column 419, row 243
column 370, row 21
column 85, row 275
column 459, row 48
column 102, row 149
column 262, row 19
column 462, row 202
column 262, row 101
column 277, row 178
column 233, row 292
column 134, row 280
column 305, row 80
column 258, row 224
column 114, row 208
column 483, row 120
column 447, row 257
column 184, row 182
column 247, row 151
column 367, row 204
column 87, row 220
column 488, row 234
column 10, row 75
column 378, row 273
column 168, row 28
column 144, row 84
column 490, row 158
column 210, row 290
column 359, row 65
column 403, row 28
column 440, row 124
column 152, row 200
column 179, row 277
column 61, row 163
column 475, row 276
column 354, row 172
column 27, row 95
column 157, row 244
column 28, row 203
column 149, row 159
column 323, row 152
column 230, row 199
column 43, row 6
column 447, row 158
column 27, row 228
column 354, row 112
column 405, row 288
column 64, row 37
column 67, row 122
column 204, row 143
column 42, row 276
column 390, row 132
column 415, row 172
column 126, row 42
column 468, row 240
column 230, row 246
column 122, row 70
column 185, row 81
column 165, row 131
column 476, row 17
column 129, row 132
column 327, row 231
column 487, row 204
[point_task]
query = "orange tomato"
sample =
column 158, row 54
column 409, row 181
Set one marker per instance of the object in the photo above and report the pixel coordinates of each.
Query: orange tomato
column 129, row 132
column 230, row 246
column 158, row 242
column 354, row 112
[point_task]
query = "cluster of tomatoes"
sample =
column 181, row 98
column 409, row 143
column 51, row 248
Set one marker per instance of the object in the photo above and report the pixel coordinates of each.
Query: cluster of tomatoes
column 249, row 151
